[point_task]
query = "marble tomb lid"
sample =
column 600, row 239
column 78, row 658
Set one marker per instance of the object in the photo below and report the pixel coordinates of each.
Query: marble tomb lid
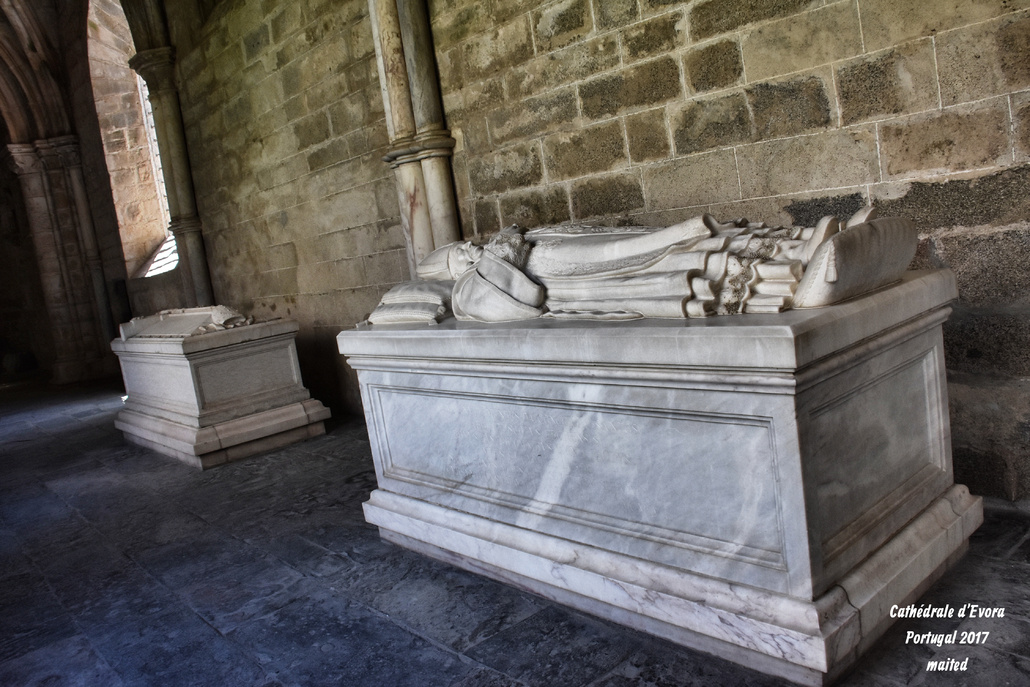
column 183, row 322
column 190, row 330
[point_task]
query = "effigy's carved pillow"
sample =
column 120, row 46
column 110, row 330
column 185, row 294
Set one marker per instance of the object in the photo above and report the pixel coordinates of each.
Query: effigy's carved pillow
column 857, row 260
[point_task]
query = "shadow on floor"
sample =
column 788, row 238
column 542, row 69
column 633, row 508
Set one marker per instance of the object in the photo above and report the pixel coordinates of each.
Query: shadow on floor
column 119, row 566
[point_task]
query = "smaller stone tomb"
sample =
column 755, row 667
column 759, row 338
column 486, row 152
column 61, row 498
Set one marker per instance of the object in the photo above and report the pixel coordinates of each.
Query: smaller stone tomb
column 763, row 487
column 207, row 386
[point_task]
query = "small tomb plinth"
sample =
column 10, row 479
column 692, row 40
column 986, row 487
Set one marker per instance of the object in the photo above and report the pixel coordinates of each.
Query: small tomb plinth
column 208, row 387
column 763, row 487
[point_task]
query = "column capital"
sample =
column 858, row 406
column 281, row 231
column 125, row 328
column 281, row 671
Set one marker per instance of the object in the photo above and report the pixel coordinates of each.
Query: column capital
column 23, row 159
column 181, row 226
column 156, row 66
column 431, row 143
column 59, row 152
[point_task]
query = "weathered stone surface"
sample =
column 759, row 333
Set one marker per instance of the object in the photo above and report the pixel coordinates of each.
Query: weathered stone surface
column 711, row 123
column 479, row 97
column 789, row 108
column 532, row 116
column 255, row 42
column 647, row 136
column 536, row 207
column 487, row 220
column 886, row 23
column 990, row 265
column 598, row 148
column 450, row 28
column 801, row 42
column 311, row 130
column 808, row 212
column 691, row 181
column 996, row 199
column 503, row 11
column 722, row 16
column 650, row 83
column 988, row 341
column 504, row 170
column 990, row 428
column 451, row 68
column 574, row 63
column 1021, row 126
column 832, row 159
column 654, row 37
column 326, row 156
column 614, row 13
column 502, row 48
column 606, row 196
column 477, row 136
column 900, row 80
column 716, row 65
column 954, row 140
column 987, row 59
column 1014, row 46
column 560, row 24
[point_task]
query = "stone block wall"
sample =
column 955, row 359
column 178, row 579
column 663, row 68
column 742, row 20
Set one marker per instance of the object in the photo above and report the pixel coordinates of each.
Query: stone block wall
column 651, row 111
column 286, row 131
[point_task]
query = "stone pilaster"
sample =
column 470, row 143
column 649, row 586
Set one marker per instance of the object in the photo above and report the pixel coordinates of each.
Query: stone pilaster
column 66, row 280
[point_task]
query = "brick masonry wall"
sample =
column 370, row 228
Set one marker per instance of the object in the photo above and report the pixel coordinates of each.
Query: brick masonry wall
column 650, row 111
column 286, row 131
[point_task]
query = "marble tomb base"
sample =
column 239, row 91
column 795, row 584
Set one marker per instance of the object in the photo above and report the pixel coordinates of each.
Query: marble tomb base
column 760, row 487
column 211, row 398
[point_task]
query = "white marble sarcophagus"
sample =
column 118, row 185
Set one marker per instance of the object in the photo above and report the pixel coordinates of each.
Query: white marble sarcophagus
column 206, row 391
column 762, row 487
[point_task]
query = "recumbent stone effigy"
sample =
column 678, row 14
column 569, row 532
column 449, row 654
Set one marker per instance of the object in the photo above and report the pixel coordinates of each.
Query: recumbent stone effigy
column 762, row 486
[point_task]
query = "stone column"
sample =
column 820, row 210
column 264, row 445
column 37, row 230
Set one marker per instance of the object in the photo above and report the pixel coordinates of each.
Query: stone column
column 156, row 66
column 52, row 218
column 432, row 138
column 420, row 144
column 400, row 125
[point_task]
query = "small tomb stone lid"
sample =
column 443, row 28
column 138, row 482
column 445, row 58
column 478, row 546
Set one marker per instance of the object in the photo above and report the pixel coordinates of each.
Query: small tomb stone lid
column 181, row 323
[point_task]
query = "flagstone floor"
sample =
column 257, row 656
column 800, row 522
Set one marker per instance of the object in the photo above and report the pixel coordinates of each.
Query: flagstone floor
column 119, row 566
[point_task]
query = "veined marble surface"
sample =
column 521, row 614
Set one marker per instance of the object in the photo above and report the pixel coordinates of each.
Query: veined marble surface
column 719, row 482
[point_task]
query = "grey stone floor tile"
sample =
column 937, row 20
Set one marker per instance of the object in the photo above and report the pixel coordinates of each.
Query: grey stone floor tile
column 556, row 647
column 859, row 677
column 327, row 640
column 663, row 665
column 30, row 616
column 1011, row 636
column 173, row 647
column 12, row 560
column 300, row 553
column 70, row 662
column 438, row 601
column 891, row 658
column 484, row 677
